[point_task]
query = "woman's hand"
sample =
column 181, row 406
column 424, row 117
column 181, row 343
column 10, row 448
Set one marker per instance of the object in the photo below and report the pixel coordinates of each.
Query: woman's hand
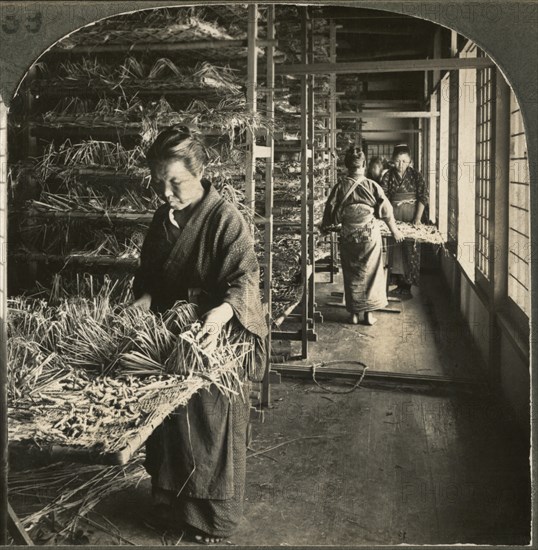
column 144, row 302
column 396, row 233
column 213, row 322
column 418, row 213
column 398, row 236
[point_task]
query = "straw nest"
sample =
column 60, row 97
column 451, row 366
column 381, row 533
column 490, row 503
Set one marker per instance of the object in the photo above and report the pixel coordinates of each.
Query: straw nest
column 87, row 374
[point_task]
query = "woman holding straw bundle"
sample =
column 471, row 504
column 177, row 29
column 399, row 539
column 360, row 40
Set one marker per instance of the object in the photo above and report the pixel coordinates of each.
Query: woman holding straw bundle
column 408, row 193
column 199, row 248
column 353, row 203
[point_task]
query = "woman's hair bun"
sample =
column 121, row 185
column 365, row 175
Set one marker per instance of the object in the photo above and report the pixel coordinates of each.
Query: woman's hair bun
column 178, row 141
column 182, row 129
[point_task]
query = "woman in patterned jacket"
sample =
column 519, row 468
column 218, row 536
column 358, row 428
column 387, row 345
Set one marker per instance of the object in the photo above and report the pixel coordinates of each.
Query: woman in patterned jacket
column 408, row 193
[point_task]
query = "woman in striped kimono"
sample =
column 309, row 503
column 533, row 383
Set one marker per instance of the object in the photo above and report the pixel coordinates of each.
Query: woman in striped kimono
column 199, row 249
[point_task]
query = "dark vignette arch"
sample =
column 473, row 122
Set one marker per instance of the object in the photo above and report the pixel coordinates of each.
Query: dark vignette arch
column 506, row 31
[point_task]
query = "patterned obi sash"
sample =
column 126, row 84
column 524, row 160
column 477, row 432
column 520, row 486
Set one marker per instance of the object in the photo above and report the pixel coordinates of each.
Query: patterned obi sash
column 358, row 223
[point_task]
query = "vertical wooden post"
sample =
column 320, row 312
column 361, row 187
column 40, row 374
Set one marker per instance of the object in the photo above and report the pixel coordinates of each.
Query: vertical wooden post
column 420, row 145
column 252, row 74
column 442, row 196
column 30, row 150
column 269, row 195
column 432, row 158
column 500, row 202
column 437, row 45
column 304, row 187
column 332, row 126
column 3, row 329
column 453, row 43
column 500, row 195
column 311, row 179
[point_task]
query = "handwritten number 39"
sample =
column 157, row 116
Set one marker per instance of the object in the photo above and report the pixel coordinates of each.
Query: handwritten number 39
column 12, row 23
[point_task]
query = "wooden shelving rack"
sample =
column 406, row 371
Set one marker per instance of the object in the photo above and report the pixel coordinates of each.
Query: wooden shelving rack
column 315, row 144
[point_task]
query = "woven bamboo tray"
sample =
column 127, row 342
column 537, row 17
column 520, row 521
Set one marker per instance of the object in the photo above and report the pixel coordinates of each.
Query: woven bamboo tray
column 127, row 33
column 417, row 233
column 123, row 439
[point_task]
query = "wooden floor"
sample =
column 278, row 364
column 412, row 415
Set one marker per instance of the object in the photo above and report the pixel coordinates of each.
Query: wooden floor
column 426, row 337
column 375, row 466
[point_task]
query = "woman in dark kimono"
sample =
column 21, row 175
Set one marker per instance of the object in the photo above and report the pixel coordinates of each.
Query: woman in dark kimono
column 356, row 198
column 407, row 191
column 198, row 248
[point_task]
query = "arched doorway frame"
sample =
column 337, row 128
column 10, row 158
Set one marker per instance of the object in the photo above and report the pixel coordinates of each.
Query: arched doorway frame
column 507, row 32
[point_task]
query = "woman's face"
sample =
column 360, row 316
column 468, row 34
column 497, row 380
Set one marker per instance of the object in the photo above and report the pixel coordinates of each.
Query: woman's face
column 402, row 161
column 175, row 184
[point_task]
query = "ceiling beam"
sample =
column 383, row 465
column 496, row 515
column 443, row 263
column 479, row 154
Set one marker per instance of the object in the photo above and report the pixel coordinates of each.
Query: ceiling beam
column 384, row 32
column 382, row 95
column 395, row 131
column 360, row 101
column 389, row 54
column 389, row 114
column 337, row 12
column 406, row 65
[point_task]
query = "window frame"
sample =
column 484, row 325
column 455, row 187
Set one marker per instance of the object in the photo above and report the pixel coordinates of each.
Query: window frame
column 484, row 280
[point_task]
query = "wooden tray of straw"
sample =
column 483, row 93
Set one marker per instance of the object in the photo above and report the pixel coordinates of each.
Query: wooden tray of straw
column 163, row 74
column 182, row 26
column 90, row 383
column 418, row 233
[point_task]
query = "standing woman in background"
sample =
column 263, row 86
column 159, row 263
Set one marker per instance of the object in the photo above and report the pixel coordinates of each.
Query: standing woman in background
column 354, row 203
column 407, row 191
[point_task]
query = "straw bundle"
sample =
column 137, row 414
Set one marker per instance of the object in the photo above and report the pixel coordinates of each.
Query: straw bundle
column 115, row 290
column 104, row 112
column 229, row 119
column 82, row 237
column 65, row 160
column 33, row 371
column 82, row 198
column 123, row 369
column 65, row 492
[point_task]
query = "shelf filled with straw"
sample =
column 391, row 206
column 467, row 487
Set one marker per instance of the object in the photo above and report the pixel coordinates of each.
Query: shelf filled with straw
column 193, row 29
column 91, row 75
column 122, row 117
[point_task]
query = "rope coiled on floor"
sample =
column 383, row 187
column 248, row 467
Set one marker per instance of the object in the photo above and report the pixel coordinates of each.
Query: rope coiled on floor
column 326, row 363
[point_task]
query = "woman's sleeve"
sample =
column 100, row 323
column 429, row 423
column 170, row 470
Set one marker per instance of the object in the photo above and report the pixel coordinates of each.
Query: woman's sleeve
column 239, row 277
column 421, row 189
column 385, row 184
column 385, row 210
column 239, row 273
